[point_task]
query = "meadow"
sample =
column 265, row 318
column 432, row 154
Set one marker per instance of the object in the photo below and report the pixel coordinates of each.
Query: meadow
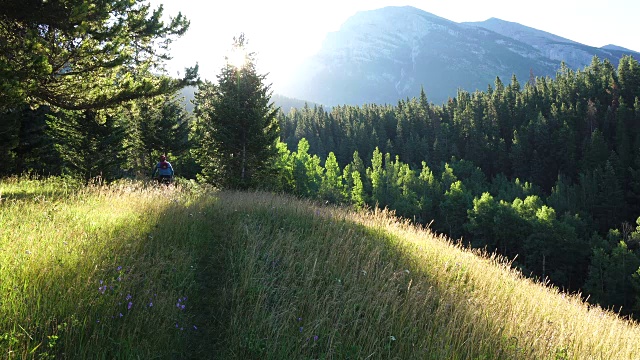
column 131, row 270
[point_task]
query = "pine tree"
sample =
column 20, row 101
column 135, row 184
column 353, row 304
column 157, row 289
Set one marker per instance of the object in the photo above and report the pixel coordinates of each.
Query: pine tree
column 165, row 130
column 429, row 194
column 376, row 175
column 283, row 165
column 237, row 128
column 307, row 172
column 629, row 77
column 357, row 192
column 482, row 218
column 35, row 152
column 157, row 126
column 348, row 174
column 9, row 139
column 454, row 206
column 332, row 188
column 80, row 55
column 90, row 143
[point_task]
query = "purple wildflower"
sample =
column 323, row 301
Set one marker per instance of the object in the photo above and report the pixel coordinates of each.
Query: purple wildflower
column 119, row 268
column 301, row 327
column 151, row 304
column 128, row 296
column 129, row 305
column 195, row 327
column 121, row 315
column 315, row 338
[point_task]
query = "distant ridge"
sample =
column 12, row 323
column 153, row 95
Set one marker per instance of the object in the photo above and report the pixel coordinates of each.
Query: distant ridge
column 574, row 54
column 283, row 102
column 616, row 47
column 384, row 55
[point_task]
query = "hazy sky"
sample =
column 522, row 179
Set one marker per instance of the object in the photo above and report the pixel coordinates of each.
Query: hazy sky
column 283, row 32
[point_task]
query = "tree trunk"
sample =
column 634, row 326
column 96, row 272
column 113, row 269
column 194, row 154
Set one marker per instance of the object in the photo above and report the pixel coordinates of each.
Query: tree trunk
column 244, row 160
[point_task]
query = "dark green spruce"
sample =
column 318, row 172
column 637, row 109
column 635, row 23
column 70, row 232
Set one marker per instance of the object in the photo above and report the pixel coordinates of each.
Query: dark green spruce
column 236, row 128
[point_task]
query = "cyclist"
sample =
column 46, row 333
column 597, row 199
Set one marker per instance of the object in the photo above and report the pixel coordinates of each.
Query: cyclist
column 163, row 171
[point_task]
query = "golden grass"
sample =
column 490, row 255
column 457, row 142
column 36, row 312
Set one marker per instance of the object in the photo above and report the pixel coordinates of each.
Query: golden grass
column 368, row 284
column 267, row 276
column 57, row 251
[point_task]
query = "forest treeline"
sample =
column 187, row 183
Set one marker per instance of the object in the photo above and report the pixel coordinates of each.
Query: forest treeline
column 546, row 173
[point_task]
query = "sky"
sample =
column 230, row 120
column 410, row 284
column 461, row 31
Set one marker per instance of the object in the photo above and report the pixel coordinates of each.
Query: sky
column 284, row 32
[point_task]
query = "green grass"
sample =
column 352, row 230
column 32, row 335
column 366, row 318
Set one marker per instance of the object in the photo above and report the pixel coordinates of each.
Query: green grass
column 264, row 276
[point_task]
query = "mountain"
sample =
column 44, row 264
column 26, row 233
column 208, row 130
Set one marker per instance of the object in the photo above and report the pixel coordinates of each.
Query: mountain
column 616, row 47
column 285, row 103
column 383, row 55
column 574, row 54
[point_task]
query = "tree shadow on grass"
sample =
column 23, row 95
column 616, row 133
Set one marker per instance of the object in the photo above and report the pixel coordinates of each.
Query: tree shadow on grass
column 359, row 291
column 122, row 289
column 255, row 275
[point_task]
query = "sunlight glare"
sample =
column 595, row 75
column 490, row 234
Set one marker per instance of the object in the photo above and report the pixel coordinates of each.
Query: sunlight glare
column 237, row 58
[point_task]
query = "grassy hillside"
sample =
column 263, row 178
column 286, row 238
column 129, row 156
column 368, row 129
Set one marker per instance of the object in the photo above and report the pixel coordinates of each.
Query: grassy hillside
column 128, row 271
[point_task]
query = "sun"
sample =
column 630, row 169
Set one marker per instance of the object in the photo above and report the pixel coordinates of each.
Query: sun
column 237, row 57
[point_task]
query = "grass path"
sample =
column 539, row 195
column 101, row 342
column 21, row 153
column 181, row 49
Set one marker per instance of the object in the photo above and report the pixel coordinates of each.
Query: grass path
column 126, row 272
column 309, row 282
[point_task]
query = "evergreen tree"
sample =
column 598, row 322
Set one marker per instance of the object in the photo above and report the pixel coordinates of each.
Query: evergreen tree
column 356, row 166
column 332, row 188
column 376, row 175
column 406, row 203
column 82, row 55
column 237, row 127
column 633, row 194
column 10, row 122
column 358, row 196
column 609, row 199
column 35, row 152
column 429, row 194
column 165, row 130
column 629, row 77
column 457, row 201
column 283, row 165
column 481, row 221
column 90, row 143
column 611, row 274
column 159, row 125
column 307, row 172
column 596, row 152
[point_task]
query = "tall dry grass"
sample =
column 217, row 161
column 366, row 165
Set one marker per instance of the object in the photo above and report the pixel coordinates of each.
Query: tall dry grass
column 198, row 273
column 314, row 282
column 97, row 271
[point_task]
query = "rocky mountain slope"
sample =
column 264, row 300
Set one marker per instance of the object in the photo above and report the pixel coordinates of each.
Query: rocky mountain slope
column 574, row 54
column 383, row 55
